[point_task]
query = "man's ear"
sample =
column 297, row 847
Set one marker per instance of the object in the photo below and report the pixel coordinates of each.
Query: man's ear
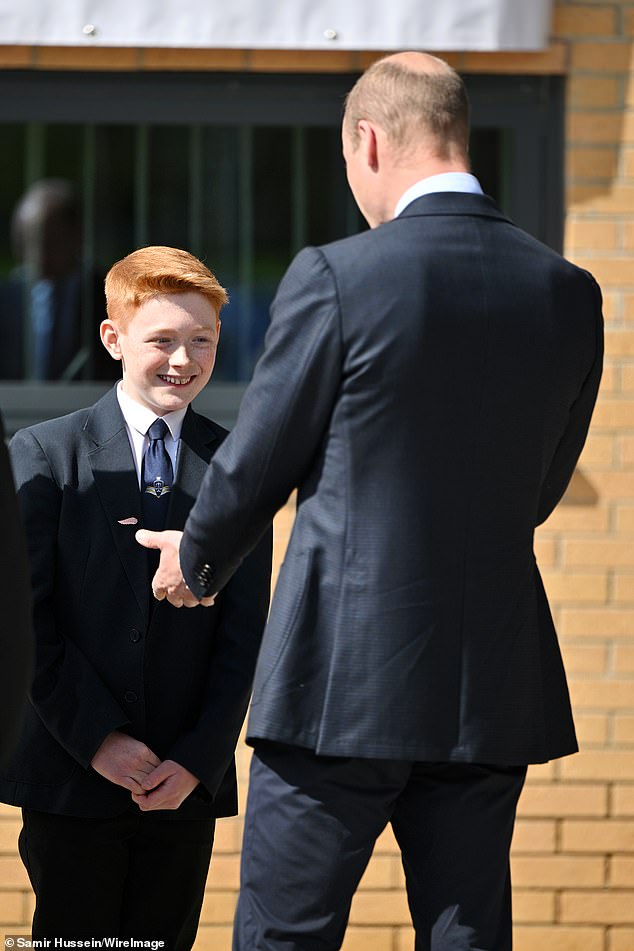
column 368, row 143
column 109, row 333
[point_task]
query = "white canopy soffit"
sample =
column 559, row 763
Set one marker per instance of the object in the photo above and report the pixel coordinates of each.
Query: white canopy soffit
column 486, row 25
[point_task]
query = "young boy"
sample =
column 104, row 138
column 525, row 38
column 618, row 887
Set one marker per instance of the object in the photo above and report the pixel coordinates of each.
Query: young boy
column 126, row 757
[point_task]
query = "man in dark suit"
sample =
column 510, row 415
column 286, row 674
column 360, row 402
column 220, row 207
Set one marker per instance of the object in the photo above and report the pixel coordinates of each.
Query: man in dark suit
column 126, row 757
column 16, row 638
column 427, row 386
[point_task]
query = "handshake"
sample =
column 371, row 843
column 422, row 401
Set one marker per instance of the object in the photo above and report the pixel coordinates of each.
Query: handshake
column 168, row 582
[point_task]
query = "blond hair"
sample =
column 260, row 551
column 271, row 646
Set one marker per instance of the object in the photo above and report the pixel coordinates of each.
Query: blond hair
column 411, row 106
column 158, row 270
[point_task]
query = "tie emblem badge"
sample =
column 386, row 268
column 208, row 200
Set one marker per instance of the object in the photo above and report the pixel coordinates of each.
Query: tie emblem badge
column 158, row 487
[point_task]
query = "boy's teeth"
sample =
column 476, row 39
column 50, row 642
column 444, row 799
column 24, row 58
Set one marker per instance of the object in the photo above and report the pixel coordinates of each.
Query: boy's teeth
column 176, row 379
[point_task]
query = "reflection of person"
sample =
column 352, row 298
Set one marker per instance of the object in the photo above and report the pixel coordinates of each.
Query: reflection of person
column 428, row 386
column 127, row 753
column 16, row 639
column 45, row 300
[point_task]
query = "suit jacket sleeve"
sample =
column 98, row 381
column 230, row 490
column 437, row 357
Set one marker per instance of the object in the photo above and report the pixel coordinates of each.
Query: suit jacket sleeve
column 282, row 421
column 207, row 750
column 68, row 694
column 16, row 631
column 569, row 448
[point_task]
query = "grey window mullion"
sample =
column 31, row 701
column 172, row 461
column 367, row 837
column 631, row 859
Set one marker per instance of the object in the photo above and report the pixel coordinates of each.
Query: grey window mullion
column 141, row 186
column 196, row 191
column 299, row 204
column 246, row 247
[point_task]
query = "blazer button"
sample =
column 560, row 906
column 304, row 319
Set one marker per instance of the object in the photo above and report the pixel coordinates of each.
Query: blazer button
column 130, row 696
column 135, row 636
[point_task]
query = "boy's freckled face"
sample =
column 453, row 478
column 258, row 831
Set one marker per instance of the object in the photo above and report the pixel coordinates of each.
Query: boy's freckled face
column 168, row 348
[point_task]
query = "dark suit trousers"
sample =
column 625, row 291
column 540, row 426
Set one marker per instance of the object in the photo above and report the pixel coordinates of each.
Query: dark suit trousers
column 311, row 825
column 139, row 875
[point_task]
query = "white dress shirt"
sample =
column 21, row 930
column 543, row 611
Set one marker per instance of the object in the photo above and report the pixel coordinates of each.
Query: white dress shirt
column 446, row 182
column 138, row 419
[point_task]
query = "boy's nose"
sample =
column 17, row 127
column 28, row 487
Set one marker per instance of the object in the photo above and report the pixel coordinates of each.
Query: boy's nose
column 179, row 357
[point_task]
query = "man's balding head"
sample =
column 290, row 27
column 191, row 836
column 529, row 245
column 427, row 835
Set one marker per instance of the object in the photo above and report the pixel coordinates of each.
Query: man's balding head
column 418, row 100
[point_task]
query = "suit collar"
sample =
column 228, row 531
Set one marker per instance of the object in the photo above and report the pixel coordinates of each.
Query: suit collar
column 452, row 203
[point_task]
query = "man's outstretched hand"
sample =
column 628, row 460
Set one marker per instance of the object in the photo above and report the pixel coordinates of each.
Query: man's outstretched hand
column 168, row 582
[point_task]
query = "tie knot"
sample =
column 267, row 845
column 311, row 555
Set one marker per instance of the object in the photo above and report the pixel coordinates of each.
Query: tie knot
column 158, row 429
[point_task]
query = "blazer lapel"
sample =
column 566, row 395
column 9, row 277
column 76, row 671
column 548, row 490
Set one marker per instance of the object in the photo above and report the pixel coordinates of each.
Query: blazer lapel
column 197, row 445
column 117, row 485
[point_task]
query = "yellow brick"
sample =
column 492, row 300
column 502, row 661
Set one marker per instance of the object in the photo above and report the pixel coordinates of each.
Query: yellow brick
column 584, row 659
column 598, row 450
column 611, row 304
column 386, row 843
column 601, row 907
column 624, row 659
column 577, row 20
column 218, row 908
column 11, row 908
column 573, row 518
column 537, row 906
column 611, row 413
column 405, row 939
column 627, row 452
column 621, row 939
column 224, row 872
column 623, row 800
column 368, row 939
column 617, row 200
column 545, row 552
column 593, row 92
column 557, row 871
column 592, row 552
column 228, row 836
column 627, row 378
column 557, row 938
column 593, row 234
column 588, row 622
column 606, row 835
column 610, row 382
column 621, row 873
column 380, row 872
column 534, row 835
column 550, row 61
column 381, row 907
column 624, row 729
column 563, row 799
column 12, row 873
column 10, row 812
column 9, row 831
column 599, row 764
column 606, row 694
column 592, row 729
column 619, row 343
column 628, row 163
column 591, row 128
column 542, row 772
column 568, row 587
column 591, row 163
column 213, row 939
column 612, row 485
column 623, row 587
column 625, row 518
column 608, row 57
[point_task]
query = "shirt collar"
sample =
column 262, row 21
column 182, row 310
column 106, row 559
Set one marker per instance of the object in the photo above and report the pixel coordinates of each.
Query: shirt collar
column 139, row 417
column 445, row 182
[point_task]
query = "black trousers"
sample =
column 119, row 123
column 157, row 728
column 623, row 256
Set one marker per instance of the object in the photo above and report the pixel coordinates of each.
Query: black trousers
column 311, row 825
column 139, row 875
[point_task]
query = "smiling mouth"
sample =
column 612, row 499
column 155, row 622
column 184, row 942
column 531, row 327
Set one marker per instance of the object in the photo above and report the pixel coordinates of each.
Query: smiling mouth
column 176, row 380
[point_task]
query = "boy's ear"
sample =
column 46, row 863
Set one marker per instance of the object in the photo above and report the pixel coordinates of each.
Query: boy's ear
column 109, row 333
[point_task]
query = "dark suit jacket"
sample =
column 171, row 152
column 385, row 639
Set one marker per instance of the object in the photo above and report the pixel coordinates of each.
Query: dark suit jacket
column 428, row 386
column 105, row 659
column 16, row 630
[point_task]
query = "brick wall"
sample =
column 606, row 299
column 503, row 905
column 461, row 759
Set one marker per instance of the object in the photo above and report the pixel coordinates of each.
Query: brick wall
column 573, row 852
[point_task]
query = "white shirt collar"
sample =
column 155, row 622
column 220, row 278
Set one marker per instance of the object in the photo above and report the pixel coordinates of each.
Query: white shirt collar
column 140, row 418
column 445, row 182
